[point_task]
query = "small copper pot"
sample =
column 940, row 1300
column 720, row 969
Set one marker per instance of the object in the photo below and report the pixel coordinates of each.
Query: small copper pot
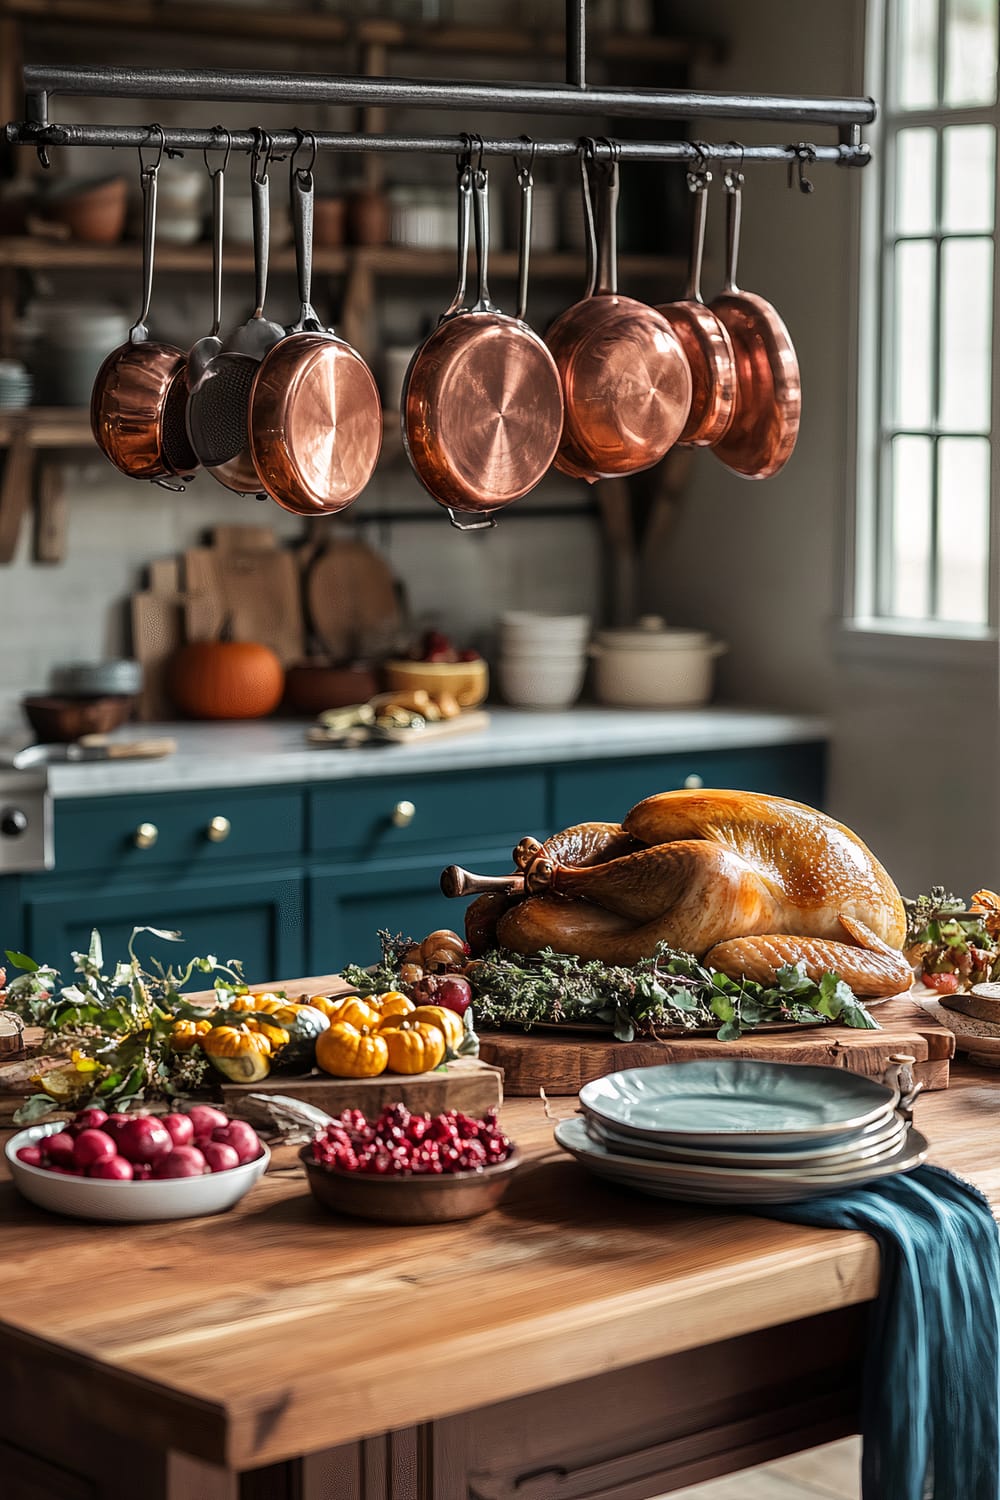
column 625, row 377
column 139, row 397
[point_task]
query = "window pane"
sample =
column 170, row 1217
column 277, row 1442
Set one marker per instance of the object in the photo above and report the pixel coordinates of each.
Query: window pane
column 917, row 55
column 914, row 320
column 912, row 458
column 963, row 528
column 966, row 319
column 970, row 58
column 915, row 152
column 969, row 152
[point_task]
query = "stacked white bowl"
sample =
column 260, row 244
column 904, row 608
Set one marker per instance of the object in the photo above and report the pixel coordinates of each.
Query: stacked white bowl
column 542, row 659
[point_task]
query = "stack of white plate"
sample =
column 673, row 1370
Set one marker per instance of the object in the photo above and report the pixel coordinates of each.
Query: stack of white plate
column 741, row 1132
column 543, row 658
column 15, row 385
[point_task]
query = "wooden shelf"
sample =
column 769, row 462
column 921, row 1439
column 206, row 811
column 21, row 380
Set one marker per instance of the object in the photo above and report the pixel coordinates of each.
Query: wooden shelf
column 29, row 254
column 321, row 28
column 48, row 426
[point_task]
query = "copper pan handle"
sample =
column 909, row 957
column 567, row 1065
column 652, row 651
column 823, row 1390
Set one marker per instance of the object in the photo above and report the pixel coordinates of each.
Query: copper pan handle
column 138, row 333
column 698, row 186
column 481, row 205
column 734, row 215
column 218, row 210
column 485, row 523
column 260, row 200
column 464, row 235
column 527, row 185
column 589, row 226
column 607, row 227
column 458, row 882
column 301, row 189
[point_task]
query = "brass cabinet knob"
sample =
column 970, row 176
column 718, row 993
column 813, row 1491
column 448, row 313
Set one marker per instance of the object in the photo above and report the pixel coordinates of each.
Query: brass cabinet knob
column 693, row 782
column 218, row 830
column 145, row 835
column 403, row 814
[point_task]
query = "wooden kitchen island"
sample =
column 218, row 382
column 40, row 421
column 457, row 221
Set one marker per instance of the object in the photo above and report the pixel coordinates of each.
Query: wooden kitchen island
column 579, row 1343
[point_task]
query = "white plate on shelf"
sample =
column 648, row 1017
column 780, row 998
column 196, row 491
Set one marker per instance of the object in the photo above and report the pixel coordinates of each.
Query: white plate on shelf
column 737, row 1102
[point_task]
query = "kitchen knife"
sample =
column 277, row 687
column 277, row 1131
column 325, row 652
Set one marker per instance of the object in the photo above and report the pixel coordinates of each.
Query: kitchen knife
column 91, row 747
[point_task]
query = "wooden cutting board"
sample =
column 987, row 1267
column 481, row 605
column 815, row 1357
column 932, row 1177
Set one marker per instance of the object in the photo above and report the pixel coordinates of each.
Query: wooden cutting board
column 255, row 589
column 562, row 1065
column 466, row 1084
column 351, row 601
column 157, row 618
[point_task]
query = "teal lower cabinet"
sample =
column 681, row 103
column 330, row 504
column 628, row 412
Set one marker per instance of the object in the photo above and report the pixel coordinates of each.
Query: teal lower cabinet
column 299, row 879
column 349, row 904
column 257, row 918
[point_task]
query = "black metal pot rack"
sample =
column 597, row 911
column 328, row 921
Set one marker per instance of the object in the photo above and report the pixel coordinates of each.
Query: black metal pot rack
column 43, row 83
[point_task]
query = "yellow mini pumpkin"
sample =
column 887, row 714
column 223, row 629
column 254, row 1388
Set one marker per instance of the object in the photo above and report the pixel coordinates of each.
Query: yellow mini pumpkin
column 185, row 1034
column 448, row 1023
column 241, row 1055
column 324, row 1004
column 351, row 1052
column 355, row 1012
column 393, row 1003
column 276, row 1035
column 414, row 1047
column 264, row 1005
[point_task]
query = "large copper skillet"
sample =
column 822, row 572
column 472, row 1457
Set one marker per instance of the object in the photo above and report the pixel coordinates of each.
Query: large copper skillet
column 140, row 393
column 626, row 382
column 315, row 420
column 482, row 404
column 760, row 439
column 704, row 339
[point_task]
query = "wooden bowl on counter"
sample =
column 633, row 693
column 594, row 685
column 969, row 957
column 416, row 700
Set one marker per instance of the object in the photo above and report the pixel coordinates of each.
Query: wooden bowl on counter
column 468, row 682
column 417, row 1198
column 311, row 687
column 62, row 720
column 93, row 212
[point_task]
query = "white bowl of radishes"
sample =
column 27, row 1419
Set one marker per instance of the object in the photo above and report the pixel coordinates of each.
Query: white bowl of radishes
column 140, row 1166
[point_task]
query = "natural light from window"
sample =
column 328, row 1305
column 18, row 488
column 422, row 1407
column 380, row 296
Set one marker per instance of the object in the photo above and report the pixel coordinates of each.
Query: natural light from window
column 930, row 521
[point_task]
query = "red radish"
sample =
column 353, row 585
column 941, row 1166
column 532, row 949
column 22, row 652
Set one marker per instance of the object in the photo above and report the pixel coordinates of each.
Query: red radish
column 205, row 1119
column 183, row 1161
column 30, row 1155
column 143, row 1138
column 454, row 993
column 115, row 1169
column 114, row 1123
column 220, row 1158
column 91, row 1118
column 241, row 1136
column 60, row 1148
column 91, row 1147
column 181, row 1128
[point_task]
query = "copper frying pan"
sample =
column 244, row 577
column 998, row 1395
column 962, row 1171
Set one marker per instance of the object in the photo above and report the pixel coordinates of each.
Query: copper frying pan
column 140, row 393
column 760, row 439
column 482, row 403
column 626, row 381
column 704, row 339
column 315, row 421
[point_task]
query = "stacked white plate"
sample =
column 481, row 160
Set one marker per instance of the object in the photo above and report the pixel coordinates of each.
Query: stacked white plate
column 543, row 658
column 15, row 385
column 741, row 1132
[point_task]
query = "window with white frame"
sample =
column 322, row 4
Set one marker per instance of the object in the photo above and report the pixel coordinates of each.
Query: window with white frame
column 925, row 532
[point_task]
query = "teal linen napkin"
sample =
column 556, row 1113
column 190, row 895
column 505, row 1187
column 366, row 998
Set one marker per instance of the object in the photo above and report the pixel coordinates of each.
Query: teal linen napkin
column 930, row 1419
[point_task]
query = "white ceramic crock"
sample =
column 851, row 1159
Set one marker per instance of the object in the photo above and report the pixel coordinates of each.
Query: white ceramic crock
column 654, row 666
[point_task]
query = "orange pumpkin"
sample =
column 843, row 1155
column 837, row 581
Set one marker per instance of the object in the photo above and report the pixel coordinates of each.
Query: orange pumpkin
column 355, row 1012
column 413, row 1047
column 226, row 680
column 347, row 1052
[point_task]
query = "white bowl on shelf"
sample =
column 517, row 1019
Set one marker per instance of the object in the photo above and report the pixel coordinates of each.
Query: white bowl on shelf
column 128, row 1202
column 541, row 681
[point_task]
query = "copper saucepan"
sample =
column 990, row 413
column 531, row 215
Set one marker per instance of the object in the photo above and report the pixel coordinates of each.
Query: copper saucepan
column 315, row 411
column 704, row 339
column 482, row 405
column 140, row 393
column 760, row 439
column 626, row 382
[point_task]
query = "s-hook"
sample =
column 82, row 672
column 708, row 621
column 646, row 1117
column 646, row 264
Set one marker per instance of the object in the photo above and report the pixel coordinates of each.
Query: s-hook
column 150, row 169
column 226, row 146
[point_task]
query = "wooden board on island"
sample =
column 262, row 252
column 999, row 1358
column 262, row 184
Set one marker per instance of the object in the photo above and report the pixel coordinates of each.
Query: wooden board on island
column 562, row 1065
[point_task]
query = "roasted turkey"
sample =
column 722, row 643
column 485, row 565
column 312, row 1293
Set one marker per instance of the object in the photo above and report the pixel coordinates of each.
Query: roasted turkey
column 744, row 881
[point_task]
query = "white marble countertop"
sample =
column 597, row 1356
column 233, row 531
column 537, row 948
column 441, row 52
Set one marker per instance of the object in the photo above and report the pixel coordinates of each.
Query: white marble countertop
column 273, row 751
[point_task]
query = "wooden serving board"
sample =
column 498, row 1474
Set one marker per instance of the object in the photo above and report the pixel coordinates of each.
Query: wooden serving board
column 532, row 1062
column 467, row 1084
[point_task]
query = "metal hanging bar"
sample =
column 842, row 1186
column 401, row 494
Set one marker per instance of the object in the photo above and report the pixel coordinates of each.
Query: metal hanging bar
column 41, row 82
column 183, row 139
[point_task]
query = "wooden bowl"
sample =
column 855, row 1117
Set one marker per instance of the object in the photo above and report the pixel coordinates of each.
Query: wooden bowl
column 417, row 1199
column 61, row 720
column 468, row 682
column 311, row 687
column 329, row 220
column 93, row 212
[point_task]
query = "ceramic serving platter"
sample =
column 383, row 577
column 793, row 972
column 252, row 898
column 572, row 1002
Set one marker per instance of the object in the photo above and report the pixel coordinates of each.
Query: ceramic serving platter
column 731, row 1185
column 863, row 1145
column 737, row 1102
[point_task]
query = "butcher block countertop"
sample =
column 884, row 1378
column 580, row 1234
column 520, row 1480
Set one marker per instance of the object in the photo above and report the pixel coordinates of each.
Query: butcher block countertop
column 278, row 1329
column 274, row 751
